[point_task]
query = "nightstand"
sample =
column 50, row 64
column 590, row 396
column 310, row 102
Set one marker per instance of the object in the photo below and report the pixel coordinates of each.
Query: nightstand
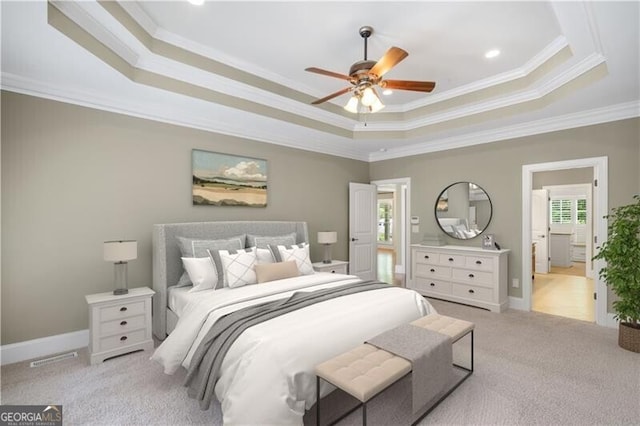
column 119, row 324
column 335, row 267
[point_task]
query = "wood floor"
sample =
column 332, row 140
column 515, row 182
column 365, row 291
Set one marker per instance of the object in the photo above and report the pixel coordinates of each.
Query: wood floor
column 565, row 294
column 386, row 268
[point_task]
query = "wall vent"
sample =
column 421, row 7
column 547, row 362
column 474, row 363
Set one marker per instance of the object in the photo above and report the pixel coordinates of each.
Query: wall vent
column 53, row 359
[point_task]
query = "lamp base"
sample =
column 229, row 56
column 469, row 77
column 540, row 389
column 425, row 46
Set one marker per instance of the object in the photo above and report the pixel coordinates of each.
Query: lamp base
column 119, row 291
column 327, row 253
column 120, row 275
column 326, row 261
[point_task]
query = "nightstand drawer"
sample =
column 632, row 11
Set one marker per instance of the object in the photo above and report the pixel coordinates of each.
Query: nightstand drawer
column 122, row 340
column 124, row 310
column 122, row 325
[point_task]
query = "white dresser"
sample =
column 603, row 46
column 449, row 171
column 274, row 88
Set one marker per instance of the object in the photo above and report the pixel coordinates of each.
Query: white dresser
column 119, row 324
column 468, row 275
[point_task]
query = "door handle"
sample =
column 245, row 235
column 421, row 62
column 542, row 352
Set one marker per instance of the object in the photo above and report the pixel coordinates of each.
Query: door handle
column 542, row 236
column 354, row 239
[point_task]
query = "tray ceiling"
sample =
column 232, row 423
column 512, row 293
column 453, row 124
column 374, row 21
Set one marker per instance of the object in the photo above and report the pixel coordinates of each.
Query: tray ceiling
column 238, row 67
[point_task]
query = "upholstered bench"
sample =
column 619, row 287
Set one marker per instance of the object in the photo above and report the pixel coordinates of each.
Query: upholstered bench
column 366, row 370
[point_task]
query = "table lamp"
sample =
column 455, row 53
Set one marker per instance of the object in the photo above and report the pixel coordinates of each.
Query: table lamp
column 120, row 252
column 327, row 238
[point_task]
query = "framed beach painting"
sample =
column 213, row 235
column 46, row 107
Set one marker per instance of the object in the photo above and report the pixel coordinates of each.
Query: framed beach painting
column 228, row 180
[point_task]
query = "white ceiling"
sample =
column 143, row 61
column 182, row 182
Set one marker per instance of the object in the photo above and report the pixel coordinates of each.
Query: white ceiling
column 562, row 65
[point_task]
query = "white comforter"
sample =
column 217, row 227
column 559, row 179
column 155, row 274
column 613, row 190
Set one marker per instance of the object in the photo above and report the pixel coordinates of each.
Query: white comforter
column 267, row 375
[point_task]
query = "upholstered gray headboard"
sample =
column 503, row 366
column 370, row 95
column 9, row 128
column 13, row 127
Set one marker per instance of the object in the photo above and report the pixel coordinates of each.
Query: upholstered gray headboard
column 167, row 266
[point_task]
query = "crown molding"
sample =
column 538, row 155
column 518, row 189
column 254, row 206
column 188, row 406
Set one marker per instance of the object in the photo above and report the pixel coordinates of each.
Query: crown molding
column 569, row 121
column 150, row 111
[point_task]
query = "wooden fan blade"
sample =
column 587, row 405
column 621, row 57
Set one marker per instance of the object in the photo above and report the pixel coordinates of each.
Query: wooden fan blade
column 390, row 59
column 415, row 86
column 331, row 96
column 329, row 73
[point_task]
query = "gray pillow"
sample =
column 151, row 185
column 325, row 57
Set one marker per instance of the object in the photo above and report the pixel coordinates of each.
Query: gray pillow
column 276, row 253
column 264, row 241
column 194, row 247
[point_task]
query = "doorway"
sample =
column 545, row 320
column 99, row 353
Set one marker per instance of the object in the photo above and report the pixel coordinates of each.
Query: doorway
column 562, row 213
column 392, row 239
column 598, row 165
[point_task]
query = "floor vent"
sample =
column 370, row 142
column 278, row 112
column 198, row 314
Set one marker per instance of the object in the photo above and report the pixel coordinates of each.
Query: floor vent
column 53, row 359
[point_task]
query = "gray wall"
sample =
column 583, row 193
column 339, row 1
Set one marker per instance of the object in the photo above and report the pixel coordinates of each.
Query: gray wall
column 497, row 168
column 74, row 177
column 563, row 177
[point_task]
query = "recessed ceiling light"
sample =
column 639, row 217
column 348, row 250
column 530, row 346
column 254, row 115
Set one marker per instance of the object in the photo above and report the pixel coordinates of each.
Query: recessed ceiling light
column 492, row 53
column 196, row 2
column 387, row 92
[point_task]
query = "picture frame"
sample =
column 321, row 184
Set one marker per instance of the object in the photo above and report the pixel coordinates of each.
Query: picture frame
column 220, row 179
column 488, row 242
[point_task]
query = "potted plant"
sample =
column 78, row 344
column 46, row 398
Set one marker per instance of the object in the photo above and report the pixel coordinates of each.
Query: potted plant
column 622, row 253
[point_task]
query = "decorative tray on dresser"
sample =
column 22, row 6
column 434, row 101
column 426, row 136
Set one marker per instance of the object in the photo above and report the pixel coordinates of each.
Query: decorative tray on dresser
column 462, row 274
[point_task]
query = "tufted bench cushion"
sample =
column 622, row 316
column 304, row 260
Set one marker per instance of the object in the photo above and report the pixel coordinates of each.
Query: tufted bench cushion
column 452, row 327
column 364, row 371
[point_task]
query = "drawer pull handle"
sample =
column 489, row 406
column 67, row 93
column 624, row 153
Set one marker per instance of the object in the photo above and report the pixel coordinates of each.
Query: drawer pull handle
column 432, row 285
column 451, row 259
column 478, row 262
column 123, row 309
column 426, row 257
column 333, row 272
column 470, row 275
column 432, row 270
column 471, row 291
column 123, row 323
column 123, row 338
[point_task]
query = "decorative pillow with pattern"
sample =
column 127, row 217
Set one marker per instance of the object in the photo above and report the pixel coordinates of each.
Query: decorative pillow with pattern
column 202, row 273
column 299, row 253
column 239, row 267
column 194, row 247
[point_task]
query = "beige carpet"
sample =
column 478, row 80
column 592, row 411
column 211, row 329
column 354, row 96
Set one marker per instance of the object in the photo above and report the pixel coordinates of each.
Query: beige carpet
column 531, row 368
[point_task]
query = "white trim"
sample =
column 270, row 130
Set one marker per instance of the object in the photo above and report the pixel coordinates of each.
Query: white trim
column 30, row 349
column 600, row 204
column 517, row 303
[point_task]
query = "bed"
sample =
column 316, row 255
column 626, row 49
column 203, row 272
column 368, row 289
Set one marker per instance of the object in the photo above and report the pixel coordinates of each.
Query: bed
column 267, row 374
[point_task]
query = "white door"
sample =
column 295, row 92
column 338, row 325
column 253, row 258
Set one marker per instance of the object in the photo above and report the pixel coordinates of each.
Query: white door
column 540, row 229
column 362, row 229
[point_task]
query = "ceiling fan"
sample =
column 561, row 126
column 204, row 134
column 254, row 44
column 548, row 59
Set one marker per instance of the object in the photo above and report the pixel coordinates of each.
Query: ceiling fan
column 365, row 75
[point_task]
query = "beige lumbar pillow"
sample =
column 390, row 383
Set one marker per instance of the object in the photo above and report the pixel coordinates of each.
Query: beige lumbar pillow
column 276, row 271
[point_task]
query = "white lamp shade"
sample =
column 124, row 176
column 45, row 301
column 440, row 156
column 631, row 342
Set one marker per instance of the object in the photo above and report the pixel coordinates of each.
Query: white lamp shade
column 120, row 251
column 327, row 237
column 352, row 105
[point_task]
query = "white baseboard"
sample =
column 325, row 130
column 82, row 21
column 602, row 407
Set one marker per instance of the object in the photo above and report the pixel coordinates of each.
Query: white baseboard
column 517, row 303
column 44, row 346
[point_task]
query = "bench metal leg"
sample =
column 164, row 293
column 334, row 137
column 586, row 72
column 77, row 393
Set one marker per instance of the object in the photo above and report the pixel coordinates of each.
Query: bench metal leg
column 364, row 414
column 317, row 401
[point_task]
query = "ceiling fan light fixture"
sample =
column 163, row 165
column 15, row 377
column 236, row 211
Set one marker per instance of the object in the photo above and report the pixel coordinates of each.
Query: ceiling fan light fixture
column 387, row 92
column 352, row 105
column 376, row 106
column 368, row 97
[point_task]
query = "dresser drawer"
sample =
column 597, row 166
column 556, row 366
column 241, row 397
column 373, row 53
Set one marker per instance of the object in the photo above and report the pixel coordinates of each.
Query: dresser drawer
column 451, row 259
column 123, row 310
column 480, row 278
column 433, row 286
column 432, row 271
column 122, row 339
column 122, row 325
column 426, row 257
column 482, row 294
column 478, row 263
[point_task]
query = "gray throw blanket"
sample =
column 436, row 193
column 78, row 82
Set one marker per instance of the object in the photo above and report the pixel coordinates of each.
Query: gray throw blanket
column 204, row 370
column 430, row 354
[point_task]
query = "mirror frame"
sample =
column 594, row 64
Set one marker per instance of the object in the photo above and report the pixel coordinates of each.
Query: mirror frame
column 435, row 211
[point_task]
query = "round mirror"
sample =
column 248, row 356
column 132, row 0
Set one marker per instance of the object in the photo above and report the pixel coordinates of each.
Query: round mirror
column 463, row 210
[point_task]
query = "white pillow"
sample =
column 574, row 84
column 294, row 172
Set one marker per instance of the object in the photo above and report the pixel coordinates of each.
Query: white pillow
column 263, row 255
column 201, row 271
column 239, row 267
column 300, row 254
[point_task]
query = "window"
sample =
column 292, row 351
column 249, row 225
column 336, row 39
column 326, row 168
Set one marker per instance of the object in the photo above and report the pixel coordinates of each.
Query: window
column 568, row 211
column 385, row 220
